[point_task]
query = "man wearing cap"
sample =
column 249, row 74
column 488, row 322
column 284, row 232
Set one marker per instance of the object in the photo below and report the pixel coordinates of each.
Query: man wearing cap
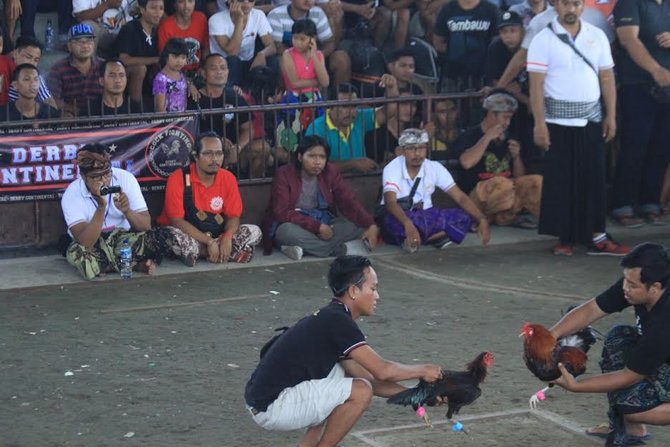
column 99, row 222
column 410, row 219
column 74, row 80
column 494, row 173
column 572, row 127
column 502, row 48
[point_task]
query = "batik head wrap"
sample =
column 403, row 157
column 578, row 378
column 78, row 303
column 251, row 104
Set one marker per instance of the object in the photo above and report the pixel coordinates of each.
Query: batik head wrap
column 93, row 162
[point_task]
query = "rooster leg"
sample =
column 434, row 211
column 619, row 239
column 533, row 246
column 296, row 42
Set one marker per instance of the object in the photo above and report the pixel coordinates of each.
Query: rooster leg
column 536, row 398
column 427, row 420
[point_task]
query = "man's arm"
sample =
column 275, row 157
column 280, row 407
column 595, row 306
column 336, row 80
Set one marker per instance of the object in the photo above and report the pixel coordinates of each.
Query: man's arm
column 88, row 233
column 473, row 210
column 602, row 383
column 97, row 12
column 392, row 371
column 629, row 38
column 390, row 84
column 471, row 156
column 129, row 60
column 231, row 44
column 608, row 90
column 541, row 131
column 514, row 67
column 578, row 318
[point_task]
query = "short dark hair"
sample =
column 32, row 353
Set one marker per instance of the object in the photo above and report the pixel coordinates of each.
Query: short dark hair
column 143, row 3
column 106, row 62
column 197, row 147
column 346, row 87
column 304, row 26
column 19, row 68
column 653, row 260
column 401, row 52
column 174, row 46
column 346, row 271
column 204, row 60
column 308, row 142
column 28, row 41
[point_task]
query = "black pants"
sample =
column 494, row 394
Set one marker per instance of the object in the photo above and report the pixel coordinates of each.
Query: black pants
column 32, row 7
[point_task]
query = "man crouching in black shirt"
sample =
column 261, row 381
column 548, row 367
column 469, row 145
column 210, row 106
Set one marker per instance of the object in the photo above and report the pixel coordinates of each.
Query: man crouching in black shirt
column 322, row 369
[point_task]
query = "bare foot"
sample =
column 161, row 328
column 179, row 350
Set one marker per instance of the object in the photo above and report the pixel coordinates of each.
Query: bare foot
column 148, row 266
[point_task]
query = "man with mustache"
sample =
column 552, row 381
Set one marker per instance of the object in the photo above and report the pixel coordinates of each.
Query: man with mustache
column 572, row 127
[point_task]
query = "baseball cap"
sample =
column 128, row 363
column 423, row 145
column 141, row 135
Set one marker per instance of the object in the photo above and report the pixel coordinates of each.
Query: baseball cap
column 80, row 30
column 510, row 18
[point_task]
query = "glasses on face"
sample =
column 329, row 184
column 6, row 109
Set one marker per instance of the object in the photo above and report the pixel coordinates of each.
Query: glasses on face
column 99, row 177
column 212, row 154
column 413, row 148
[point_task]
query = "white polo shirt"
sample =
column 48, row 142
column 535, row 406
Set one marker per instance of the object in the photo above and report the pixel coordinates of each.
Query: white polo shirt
column 568, row 76
column 433, row 175
column 79, row 205
column 220, row 24
column 589, row 15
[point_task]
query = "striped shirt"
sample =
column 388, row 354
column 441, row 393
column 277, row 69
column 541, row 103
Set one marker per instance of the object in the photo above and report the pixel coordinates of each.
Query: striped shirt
column 68, row 84
column 282, row 22
column 42, row 95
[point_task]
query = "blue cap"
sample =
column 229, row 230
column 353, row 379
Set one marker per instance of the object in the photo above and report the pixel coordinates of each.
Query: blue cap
column 80, row 30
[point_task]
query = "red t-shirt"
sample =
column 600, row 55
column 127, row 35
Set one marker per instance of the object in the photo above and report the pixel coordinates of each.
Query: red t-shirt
column 6, row 69
column 223, row 197
column 196, row 36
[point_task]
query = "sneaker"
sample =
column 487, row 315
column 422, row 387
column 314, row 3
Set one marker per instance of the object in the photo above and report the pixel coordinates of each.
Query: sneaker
column 292, row 251
column 629, row 221
column 442, row 243
column 561, row 249
column 608, row 247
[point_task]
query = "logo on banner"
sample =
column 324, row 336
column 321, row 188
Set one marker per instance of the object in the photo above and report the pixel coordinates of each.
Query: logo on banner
column 169, row 150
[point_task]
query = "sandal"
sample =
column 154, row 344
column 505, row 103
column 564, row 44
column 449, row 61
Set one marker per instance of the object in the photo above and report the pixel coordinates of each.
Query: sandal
column 603, row 431
column 524, row 223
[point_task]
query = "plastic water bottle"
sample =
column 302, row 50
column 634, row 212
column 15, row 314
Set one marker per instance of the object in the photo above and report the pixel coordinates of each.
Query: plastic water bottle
column 49, row 37
column 126, row 260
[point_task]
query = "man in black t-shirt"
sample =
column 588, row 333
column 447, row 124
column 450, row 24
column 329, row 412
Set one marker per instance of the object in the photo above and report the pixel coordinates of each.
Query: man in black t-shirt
column 463, row 31
column 113, row 100
column 235, row 128
column 636, row 359
column 322, row 371
column 137, row 47
column 494, row 174
column 26, row 80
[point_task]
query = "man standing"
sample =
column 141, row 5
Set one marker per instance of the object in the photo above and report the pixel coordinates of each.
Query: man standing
column 203, row 204
column 410, row 179
column 233, row 33
column 636, row 359
column 344, row 127
column 322, row 371
column 570, row 126
column 234, row 128
column 100, row 222
column 643, row 28
column 494, row 173
column 137, row 47
column 74, row 80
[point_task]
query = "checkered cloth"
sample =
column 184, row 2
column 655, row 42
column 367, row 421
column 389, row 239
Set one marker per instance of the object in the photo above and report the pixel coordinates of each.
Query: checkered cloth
column 559, row 109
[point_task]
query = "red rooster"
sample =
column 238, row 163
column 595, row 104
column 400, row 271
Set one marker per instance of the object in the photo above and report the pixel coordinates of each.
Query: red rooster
column 459, row 388
column 542, row 353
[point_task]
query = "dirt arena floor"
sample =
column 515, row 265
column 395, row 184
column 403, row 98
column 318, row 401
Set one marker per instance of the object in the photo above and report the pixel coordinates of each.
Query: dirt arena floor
column 163, row 361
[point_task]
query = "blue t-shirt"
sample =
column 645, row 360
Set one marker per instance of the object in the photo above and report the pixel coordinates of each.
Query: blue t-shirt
column 342, row 148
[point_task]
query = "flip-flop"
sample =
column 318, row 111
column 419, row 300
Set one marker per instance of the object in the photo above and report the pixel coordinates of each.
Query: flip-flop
column 603, row 430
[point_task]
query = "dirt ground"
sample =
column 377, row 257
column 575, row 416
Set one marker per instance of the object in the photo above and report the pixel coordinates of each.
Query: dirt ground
column 163, row 361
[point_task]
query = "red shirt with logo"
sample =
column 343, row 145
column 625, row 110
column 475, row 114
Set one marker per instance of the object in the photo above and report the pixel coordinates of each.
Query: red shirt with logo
column 196, row 37
column 222, row 197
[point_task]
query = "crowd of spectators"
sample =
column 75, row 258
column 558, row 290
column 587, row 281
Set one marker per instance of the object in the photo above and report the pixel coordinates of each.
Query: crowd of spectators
column 210, row 56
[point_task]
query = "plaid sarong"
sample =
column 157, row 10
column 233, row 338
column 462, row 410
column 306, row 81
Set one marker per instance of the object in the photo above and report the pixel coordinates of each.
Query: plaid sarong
column 651, row 392
column 559, row 109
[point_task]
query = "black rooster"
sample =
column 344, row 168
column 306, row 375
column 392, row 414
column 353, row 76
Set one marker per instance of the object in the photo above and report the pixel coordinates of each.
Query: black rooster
column 459, row 388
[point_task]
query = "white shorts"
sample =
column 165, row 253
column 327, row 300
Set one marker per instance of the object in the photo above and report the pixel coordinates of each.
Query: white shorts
column 308, row 403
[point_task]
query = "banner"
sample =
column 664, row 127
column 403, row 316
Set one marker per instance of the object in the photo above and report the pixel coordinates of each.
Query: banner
column 39, row 164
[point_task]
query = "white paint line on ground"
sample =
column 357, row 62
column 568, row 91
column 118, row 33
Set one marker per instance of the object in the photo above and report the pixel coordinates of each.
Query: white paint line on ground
column 566, row 424
column 191, row 303
column 459, row 282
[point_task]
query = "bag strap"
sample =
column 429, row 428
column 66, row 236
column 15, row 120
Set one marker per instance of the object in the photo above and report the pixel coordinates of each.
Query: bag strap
column 566, row 40
column 415, row 186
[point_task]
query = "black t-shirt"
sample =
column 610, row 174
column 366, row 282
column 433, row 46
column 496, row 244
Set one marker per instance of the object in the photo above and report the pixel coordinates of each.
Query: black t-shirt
column 307, row 351
column 468, row 34
column 496, row 160
column 652, row 19
column 653, row 348
column 9, row 112
column 134, row 42
column 98, row 108
column 378, row 142
column 224, row 124
column 497, row 58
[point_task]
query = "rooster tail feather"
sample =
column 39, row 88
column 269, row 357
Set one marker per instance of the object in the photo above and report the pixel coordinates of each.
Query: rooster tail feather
column 413, row 396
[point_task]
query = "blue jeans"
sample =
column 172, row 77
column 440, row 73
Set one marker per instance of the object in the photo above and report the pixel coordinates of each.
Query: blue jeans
column 645, row 126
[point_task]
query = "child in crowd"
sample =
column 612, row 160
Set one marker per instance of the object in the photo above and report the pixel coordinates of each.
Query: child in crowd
column 170, row 87
column 304, row 72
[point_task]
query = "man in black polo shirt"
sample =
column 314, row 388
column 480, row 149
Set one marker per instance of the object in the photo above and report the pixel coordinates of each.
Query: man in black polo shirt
column 636, row 359
column 137, row 47
column 321, row 370
column 235, row 128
